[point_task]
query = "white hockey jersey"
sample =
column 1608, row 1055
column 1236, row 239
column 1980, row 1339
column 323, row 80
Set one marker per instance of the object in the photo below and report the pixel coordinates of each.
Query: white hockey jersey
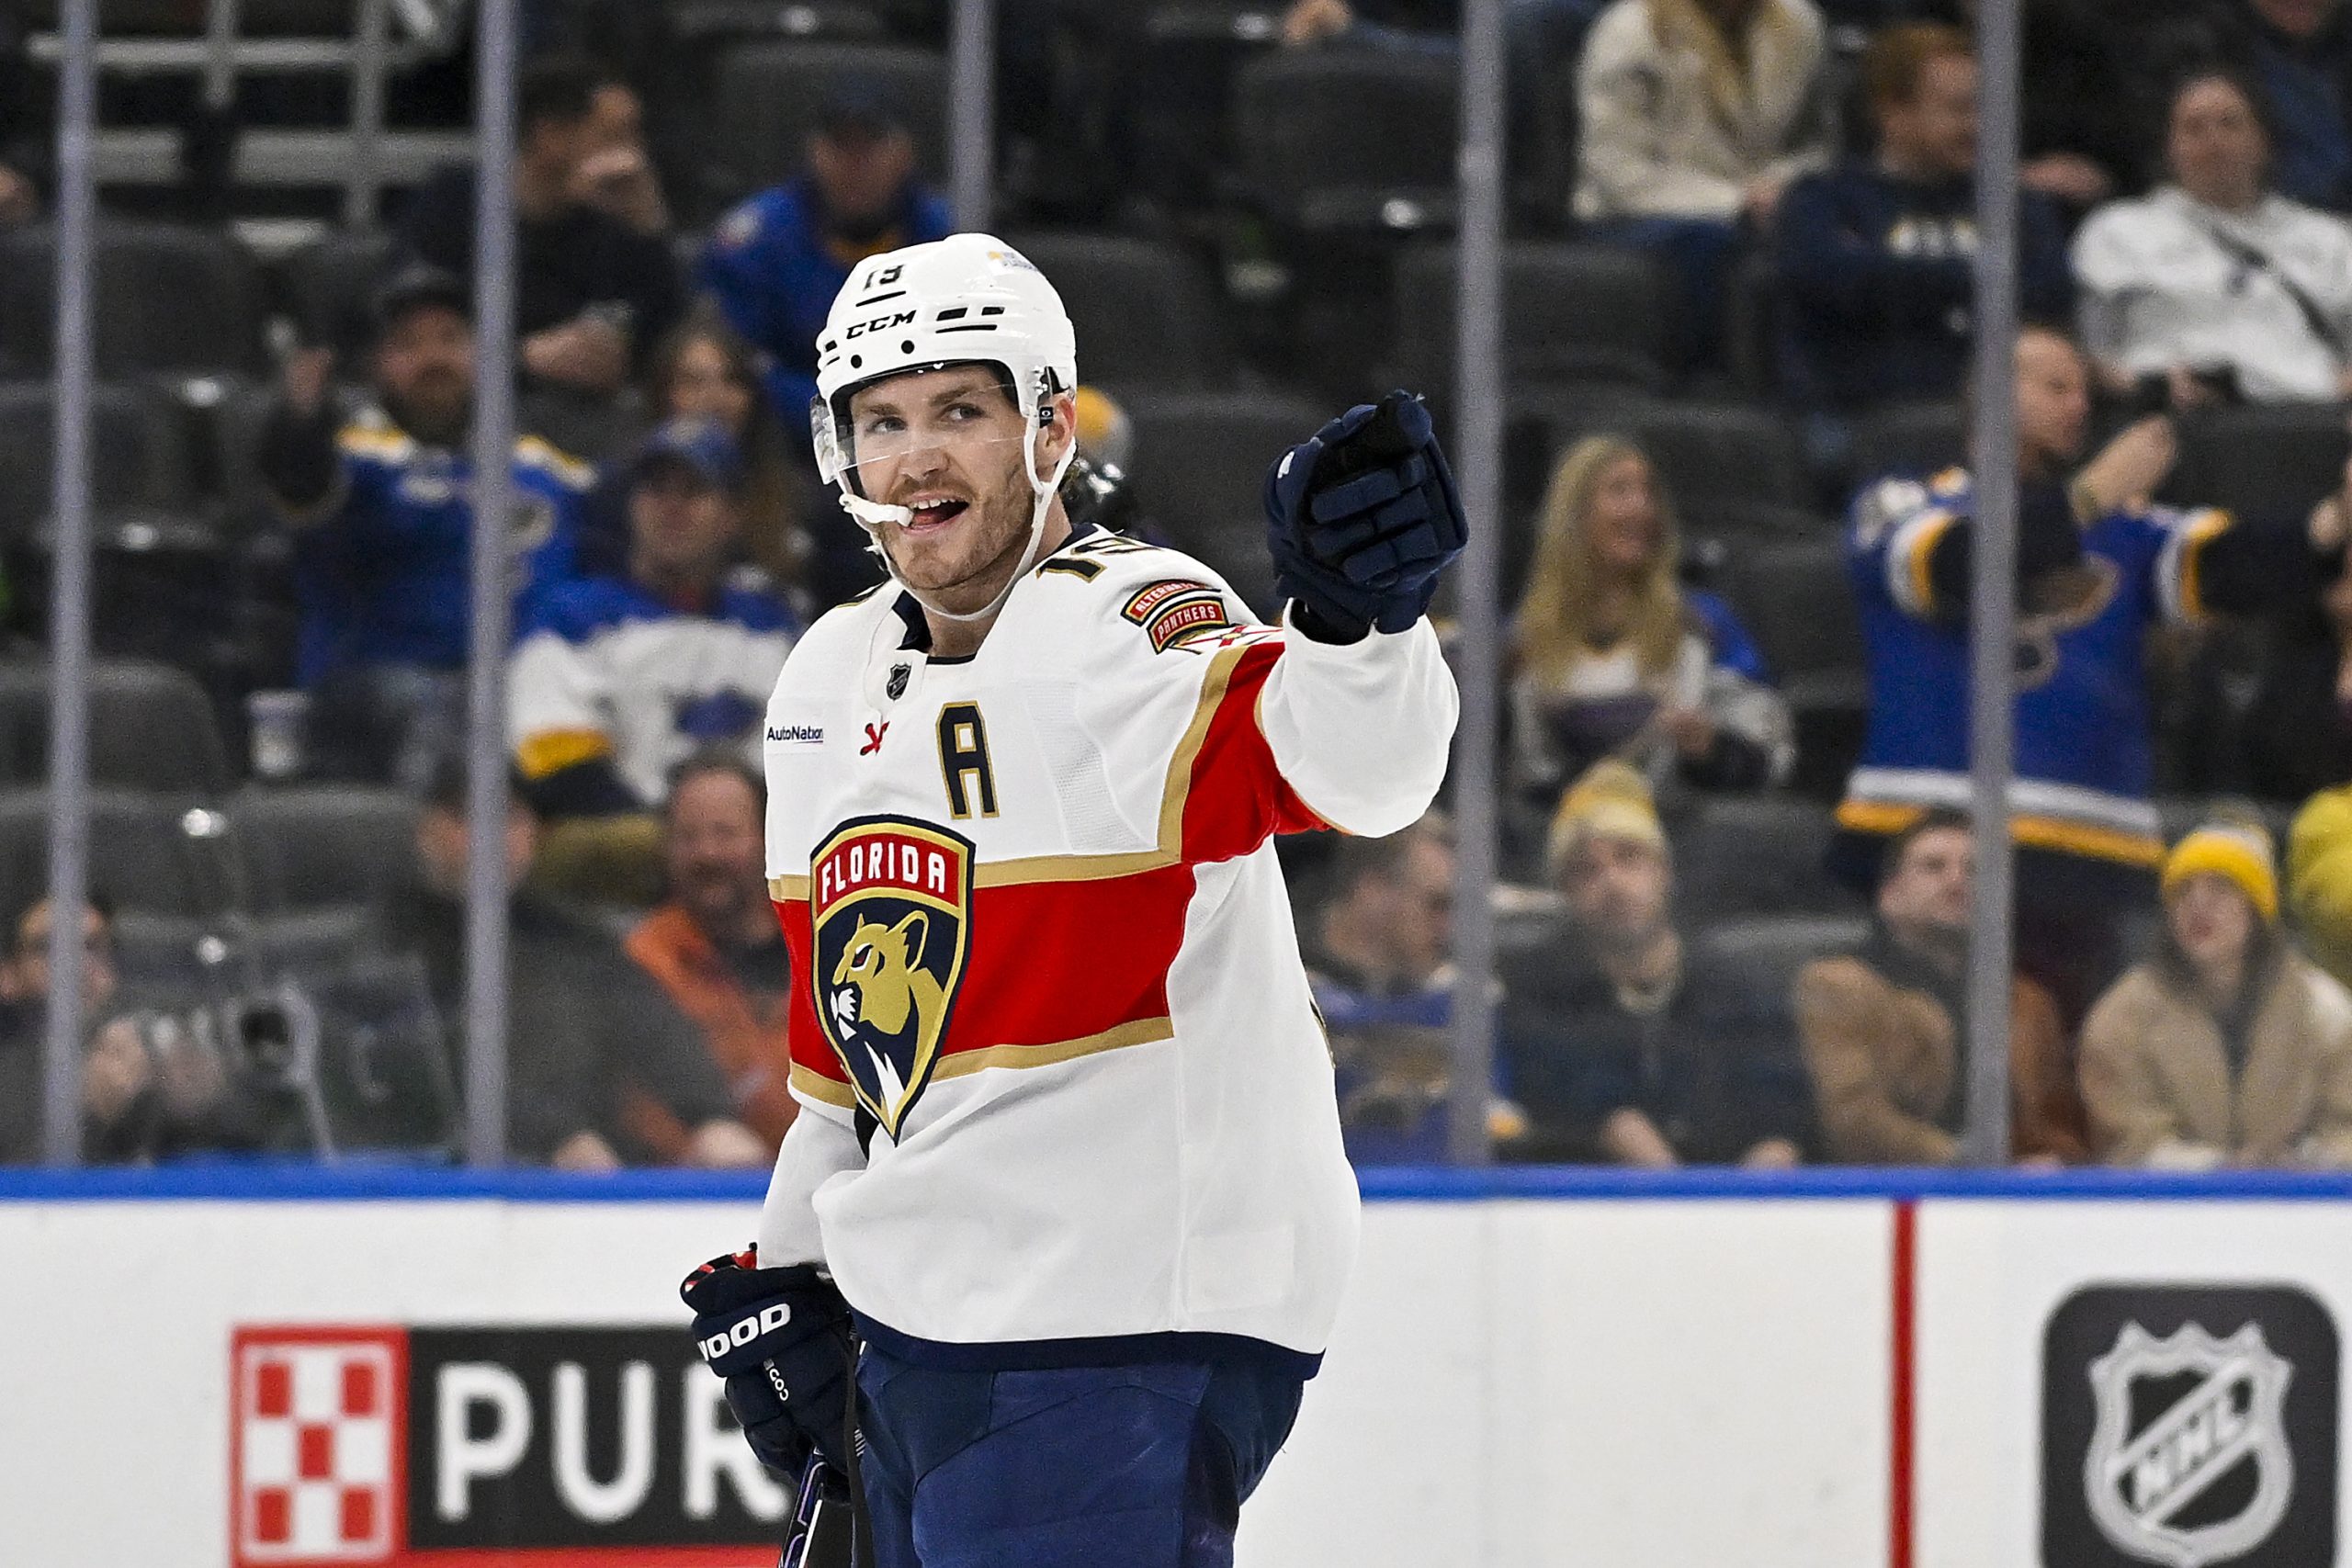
column 1048, row 952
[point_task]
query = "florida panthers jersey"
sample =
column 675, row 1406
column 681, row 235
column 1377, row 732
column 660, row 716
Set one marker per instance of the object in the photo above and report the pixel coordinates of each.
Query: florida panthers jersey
column 1047, row 966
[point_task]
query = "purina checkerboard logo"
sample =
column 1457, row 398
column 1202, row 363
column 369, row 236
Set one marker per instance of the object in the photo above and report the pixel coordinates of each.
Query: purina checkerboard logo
column 489, row 1447
column 316, row 1460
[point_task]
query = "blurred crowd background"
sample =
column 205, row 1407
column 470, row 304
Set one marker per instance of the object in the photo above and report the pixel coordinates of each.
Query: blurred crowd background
column 1738, row 538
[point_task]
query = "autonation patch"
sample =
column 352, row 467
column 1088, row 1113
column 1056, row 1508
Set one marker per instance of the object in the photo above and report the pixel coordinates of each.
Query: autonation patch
column 2189, row 1424
column 410, row 1447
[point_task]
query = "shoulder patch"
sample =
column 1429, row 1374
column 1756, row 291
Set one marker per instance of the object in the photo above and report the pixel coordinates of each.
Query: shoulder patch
column 1884, row 504
column 738, row 228
column 1175, row 609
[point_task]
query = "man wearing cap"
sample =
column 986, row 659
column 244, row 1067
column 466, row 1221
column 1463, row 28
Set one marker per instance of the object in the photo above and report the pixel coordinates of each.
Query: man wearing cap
column 776, row 263
column 617, row 679
column 1634, row 1047
column 381, row 508
column 1884, row 1027
column 2227, row 1046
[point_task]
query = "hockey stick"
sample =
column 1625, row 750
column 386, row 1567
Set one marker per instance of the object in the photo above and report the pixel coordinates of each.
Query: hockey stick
column 822, row 1528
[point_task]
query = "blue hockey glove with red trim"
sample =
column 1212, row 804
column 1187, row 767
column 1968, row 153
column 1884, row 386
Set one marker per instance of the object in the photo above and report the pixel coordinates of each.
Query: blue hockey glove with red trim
column 1362, row 519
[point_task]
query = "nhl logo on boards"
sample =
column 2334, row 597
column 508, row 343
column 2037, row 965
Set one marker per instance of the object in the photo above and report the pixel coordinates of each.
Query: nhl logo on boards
column 890, row 904
column 315, row 1456
column 2187, row 1427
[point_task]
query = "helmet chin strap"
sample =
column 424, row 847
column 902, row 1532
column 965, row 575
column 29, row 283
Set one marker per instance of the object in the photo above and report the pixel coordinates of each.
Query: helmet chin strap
column 871, row 515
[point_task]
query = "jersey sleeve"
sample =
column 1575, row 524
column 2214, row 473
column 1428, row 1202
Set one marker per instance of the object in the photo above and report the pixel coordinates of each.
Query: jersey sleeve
column 1897, row 525
column 815, row 1150
column 557, row 698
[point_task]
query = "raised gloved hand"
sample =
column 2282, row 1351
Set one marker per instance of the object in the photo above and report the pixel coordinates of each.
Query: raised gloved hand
column 1362, row 519
column 780, row 1338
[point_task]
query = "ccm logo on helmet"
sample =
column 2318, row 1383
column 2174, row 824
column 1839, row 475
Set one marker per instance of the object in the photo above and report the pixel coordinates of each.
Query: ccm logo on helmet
column 745, row 1331
column 879, row 324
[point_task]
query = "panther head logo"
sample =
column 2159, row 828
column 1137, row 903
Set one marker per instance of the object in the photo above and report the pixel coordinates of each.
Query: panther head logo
column 891, row 902
column 879, row 983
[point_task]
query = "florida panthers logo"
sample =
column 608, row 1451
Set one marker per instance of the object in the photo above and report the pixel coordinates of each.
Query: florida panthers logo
column 891, row 902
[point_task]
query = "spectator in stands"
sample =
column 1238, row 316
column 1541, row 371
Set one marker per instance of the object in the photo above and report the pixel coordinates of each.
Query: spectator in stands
column 715, row 944
column 383, row 521
column 2213, row 287
column 615, row 174
column 1884, row 1027
column 1370, row 21
column 1615, row 658
column 702, row 369
column 1876, row 259
column 617, row 679
column 2098, row 569
column 1696, row 116
column 591, row 292
column 152, row 1087
column 1632, row 1046
column 776, row 263
column 591, row 1043
column 114, row 1072
column 2227, row 1048
column 1380, row 962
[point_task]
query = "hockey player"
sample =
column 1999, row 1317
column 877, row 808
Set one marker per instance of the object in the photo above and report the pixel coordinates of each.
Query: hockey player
column 1069, row 1145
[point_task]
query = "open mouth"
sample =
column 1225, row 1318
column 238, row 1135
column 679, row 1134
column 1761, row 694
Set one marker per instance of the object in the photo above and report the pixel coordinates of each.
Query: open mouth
column 930, row 516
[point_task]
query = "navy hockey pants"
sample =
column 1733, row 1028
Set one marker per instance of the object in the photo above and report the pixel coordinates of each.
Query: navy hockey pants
column 1140, row 1466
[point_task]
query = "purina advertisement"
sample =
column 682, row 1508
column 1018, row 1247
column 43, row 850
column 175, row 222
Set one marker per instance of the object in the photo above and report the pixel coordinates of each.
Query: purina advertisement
column 1807, row 1375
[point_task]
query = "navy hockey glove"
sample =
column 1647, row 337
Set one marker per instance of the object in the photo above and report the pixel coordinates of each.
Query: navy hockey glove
column 780, row 1337
column 1362, row 519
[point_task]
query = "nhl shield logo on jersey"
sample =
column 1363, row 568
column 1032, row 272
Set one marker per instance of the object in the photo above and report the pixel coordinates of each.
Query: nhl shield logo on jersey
column 890, row 903
column 2189, row 1463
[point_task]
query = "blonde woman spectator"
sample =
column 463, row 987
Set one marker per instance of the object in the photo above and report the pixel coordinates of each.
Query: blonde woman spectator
column 1616, row 658
column 1700, row 108
column 2214, row 286
column 1696, row 115
column 2228, row 1047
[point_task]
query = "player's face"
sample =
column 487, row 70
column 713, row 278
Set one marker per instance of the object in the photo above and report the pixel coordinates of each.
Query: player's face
column 426, row 365
column 1616, row 888
column 703, row 385
column 948, row 444
column 1624, row 519
column 713, row 852
column 680, row 523
column 1928, row 893
column 2211, row 920
column 2053, row 398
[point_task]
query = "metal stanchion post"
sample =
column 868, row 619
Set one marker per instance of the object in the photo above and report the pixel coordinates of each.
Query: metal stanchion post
column 1477, row 461
column 69, row 731
column 493, row 464
column 1992, row 595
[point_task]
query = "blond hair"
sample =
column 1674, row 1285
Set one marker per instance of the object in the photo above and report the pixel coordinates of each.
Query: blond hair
column 1555, row 626
column 1723, row 59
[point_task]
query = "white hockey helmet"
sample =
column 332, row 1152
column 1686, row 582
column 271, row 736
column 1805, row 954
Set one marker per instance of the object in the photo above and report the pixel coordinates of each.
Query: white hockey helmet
column 968, row 298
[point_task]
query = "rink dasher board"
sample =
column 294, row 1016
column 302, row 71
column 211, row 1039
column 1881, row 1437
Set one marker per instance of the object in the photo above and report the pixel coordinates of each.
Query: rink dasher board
column 1533, row 1367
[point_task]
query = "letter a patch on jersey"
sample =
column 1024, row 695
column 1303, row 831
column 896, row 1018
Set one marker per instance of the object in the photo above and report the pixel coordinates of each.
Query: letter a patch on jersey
column 890, row 903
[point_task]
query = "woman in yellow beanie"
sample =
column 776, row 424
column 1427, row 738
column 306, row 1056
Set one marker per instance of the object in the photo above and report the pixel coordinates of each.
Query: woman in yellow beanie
column 2228, row 1046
